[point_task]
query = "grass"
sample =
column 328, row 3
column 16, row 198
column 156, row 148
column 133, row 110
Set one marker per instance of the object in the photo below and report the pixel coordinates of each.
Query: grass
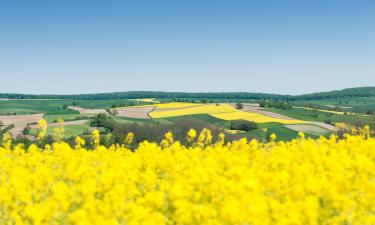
column 70, row 130
column 311, row 115
column 282, row 133
column 204, row 117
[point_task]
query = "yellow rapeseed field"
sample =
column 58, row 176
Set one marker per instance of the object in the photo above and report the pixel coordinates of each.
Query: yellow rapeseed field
column 304, row 181
column 196, row 109
column 175, row 105
column 221, row 111
column 255, row 117
column 149, row 100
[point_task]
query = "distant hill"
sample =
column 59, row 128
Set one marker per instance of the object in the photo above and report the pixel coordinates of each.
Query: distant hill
column 345, row 93
column 150, row 94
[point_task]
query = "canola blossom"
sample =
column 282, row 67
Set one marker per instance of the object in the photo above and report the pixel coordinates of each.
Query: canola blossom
column 192, row 110
column 304, row 181
column 220, row 111
column 255, row 117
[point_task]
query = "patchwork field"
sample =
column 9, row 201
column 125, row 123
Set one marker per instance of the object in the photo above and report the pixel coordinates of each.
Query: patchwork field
column 308, row 129
column 135, row 112
column 87, row 111
column 324, row 110
column 20, row 122
column 255, row 117
column 150, row 110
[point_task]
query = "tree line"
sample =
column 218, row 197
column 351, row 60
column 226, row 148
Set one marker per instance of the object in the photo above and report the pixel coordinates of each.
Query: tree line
column 345, row 93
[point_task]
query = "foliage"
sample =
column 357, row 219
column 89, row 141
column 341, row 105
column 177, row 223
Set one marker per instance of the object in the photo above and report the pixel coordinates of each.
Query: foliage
column 243, row 125
column 6, row 129
column 275, row 104
column 239, row 105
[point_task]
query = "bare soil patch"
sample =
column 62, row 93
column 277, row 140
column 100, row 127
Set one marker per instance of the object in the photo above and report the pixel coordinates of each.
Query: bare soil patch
column 325, row 125
column 254, row 108
column 135, row 112
column 308, row 129
column 20, row 122
column 87, row 111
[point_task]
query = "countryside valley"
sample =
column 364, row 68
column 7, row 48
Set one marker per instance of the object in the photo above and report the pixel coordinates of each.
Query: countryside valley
column 149, row 115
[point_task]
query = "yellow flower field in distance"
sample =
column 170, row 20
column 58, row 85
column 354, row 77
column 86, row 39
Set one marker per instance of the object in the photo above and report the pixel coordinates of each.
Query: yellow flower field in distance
column 149, row 100
column 304, row 181
column 175, row 105
column 200, row 109
column 255, row 117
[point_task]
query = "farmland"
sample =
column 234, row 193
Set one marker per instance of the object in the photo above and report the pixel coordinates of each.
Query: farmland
column 285, row 123
column 184, row 161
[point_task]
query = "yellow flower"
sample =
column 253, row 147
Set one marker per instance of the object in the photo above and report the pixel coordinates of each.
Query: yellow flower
column 79, row 142
column 7, row 140
column 273, row 137
column 58, row 131
column 191, row 135
column 303, row 181
column 129, row 138
column 95, row 137
column 42, row 129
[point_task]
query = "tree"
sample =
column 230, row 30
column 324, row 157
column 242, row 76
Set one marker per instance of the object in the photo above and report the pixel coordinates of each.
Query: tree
column 239, row 105
column 243, row 125
column 27, row 129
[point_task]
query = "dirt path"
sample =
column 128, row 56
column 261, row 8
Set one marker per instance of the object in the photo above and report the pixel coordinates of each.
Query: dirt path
column 20, row 122
column 87, row 111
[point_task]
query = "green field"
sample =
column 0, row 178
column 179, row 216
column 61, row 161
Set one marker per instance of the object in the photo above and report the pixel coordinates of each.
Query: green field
column 70, row 130
column 55, row 107
column 22, row 107
column 314, row 115
column 357, row 104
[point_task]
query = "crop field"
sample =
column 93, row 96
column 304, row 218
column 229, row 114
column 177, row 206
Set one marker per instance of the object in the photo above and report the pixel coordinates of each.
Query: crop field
column 218, row 114
column 319, row 116
column 71, row 129
column 348, row 104
column 305, row 181
column 87, row 111
column 20, row 122
column 193, row 110
column 140, row 112
column 258, row 118
column 24, row 107
column 175, row 105
column 308, row 129
column 324, row 110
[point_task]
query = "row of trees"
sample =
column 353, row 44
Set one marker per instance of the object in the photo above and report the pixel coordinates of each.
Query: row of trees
column 275, row 104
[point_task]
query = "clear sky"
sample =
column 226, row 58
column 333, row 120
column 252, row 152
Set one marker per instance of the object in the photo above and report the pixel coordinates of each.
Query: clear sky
column 287, row 47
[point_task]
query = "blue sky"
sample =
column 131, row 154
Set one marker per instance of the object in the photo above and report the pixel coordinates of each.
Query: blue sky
column 287, row 47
